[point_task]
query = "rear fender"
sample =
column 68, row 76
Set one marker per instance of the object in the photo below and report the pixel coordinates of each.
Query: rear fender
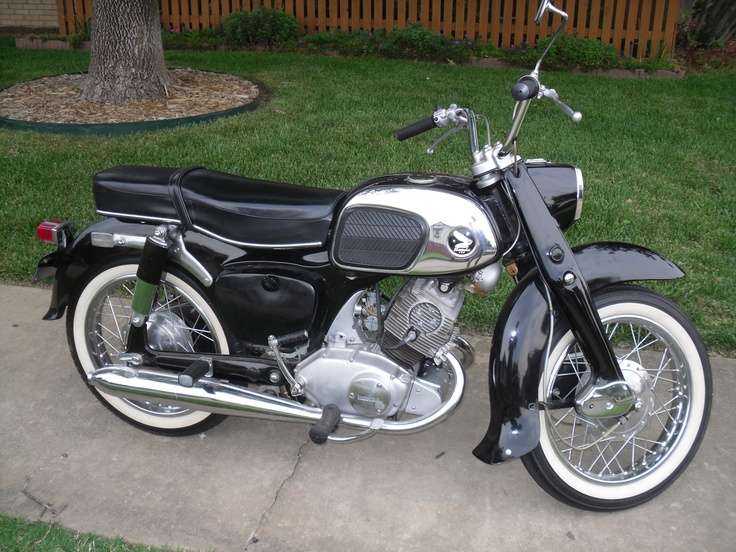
column 71, row 264
column 518, row 353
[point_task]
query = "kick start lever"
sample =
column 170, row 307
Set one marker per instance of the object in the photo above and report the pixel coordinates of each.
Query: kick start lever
column 274, row 343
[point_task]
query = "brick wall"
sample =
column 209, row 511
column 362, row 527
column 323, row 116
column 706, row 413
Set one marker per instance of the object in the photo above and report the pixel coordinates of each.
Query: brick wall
column 29, row 14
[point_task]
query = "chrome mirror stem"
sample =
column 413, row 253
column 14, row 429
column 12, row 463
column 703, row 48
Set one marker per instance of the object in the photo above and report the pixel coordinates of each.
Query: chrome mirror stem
column 551, row 8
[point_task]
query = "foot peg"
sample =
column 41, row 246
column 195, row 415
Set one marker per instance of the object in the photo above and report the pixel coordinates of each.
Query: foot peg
column 326, row 425
column 195, row 372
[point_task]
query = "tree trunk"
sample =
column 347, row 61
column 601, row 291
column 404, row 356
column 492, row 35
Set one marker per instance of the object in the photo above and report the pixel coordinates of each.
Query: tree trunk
column 127, row 59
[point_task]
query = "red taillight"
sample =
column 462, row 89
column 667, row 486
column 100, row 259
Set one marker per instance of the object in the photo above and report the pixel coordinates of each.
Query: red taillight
column 49, row 231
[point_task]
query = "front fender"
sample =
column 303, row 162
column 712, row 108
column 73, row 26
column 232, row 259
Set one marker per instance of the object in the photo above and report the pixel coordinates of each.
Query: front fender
column 518, row 353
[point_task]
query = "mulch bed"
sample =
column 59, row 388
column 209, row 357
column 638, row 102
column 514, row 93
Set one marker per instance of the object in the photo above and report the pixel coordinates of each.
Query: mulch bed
column 57, row 99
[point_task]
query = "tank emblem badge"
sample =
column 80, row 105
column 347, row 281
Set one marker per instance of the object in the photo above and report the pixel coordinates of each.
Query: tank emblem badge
column 461, row 241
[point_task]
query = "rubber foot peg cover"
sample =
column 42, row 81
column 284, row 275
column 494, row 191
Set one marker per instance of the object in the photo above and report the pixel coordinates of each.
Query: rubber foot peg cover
column 191, row 375
column 326, row 425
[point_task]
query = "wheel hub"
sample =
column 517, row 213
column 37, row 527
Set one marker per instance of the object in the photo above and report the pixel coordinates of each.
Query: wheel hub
column 632, row 422
column 167, row 332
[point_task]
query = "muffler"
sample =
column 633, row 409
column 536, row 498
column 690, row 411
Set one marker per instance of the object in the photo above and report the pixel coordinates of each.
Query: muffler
column 221, row 397
column 207, row 394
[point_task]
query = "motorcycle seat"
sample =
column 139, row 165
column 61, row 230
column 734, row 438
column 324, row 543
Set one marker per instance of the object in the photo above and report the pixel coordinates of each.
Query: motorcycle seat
column 237, row 210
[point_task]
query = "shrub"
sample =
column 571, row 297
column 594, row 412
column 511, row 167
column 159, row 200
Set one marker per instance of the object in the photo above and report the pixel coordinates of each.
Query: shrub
column 82, row 32
column 568, row 52
column 279, row 30
column 354, row 43
column 519, row 55
column 173, row 39
column 263, row 26
column 710, row 25
column 413, row 42
column 417, row 42
column 235, row 28
column 205, row 39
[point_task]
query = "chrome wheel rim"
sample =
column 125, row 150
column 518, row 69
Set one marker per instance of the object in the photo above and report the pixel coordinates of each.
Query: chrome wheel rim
column 614, row 450
column 176, row 324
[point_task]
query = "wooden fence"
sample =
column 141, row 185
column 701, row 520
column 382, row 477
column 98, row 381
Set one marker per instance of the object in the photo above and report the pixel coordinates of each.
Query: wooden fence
column 636, row 27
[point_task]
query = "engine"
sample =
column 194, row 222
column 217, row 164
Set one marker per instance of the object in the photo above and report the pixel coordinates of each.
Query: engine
column 421, row 321
column 391, row 377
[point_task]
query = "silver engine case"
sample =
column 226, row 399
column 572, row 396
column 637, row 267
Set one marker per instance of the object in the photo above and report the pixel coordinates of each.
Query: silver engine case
column 353, row 372
column 360, row 380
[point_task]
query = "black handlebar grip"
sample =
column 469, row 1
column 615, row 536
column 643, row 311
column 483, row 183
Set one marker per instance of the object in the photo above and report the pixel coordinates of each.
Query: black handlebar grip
column 526, row 89
column 415, row 129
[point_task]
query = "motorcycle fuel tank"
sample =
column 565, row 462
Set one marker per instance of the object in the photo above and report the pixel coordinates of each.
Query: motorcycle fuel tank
column 413, row 224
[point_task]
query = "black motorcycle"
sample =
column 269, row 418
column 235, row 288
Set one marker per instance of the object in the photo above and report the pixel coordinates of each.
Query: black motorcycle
column 204, row 294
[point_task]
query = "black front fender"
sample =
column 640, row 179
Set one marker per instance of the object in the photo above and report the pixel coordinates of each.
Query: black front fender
column 521, row 336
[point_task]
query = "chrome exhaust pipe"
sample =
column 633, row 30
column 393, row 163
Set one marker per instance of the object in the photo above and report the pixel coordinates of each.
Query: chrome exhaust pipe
column 221, row 397
column 207, row 394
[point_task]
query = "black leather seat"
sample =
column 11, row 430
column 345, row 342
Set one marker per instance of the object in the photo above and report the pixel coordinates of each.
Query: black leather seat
column 239, row 210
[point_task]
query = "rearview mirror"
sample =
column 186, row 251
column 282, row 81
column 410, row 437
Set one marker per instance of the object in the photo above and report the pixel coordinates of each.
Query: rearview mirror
column 543, row 5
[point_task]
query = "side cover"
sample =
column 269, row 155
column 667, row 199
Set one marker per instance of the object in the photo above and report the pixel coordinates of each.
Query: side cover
column 521, row 336
column 260, row 299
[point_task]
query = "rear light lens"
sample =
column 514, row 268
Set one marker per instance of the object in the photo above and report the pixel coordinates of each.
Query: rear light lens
column 50, row 230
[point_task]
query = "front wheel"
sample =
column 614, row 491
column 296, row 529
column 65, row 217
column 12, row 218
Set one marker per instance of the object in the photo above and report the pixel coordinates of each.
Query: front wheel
column 182, row 320
column 609, row 464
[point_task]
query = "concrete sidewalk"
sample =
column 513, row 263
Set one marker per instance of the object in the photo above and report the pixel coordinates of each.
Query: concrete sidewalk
column 263, row 486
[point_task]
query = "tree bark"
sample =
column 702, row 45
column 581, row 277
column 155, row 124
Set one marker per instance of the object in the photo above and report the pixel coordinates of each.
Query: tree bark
column 127, row 58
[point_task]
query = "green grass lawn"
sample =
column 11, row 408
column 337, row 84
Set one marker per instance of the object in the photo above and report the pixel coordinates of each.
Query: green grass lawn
column 18, row 535
column 659, row 156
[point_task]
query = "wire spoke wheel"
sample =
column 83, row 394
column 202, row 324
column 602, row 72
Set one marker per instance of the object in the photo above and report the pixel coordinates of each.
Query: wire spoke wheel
column 616, row 463
column 181, row 320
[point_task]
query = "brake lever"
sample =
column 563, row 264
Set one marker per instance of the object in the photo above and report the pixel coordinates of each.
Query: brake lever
column 455, row 130
column 551, row 93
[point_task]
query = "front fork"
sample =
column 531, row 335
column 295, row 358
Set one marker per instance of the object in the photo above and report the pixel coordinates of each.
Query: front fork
column 606, row 394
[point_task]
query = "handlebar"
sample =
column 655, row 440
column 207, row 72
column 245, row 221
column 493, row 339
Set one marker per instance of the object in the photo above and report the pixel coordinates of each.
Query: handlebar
column 489, row 160
column 526, row 89
column 551, row 93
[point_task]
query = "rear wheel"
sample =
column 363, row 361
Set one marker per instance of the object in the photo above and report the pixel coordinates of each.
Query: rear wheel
column 182, row 319
column 617, row 463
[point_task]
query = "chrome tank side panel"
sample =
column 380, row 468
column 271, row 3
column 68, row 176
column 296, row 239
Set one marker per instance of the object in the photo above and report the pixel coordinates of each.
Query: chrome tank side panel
column 452, row 232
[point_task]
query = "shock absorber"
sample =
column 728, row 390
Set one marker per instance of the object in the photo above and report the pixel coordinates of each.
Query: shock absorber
column 150, row 269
